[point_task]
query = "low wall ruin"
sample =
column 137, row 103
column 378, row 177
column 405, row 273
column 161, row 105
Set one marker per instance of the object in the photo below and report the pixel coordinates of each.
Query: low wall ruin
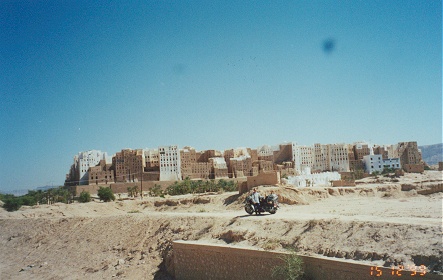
column 196, row 260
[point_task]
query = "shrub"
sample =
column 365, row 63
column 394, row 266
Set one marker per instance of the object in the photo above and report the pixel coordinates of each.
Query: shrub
column 12, row 203
column 133, row 191
column 292, row 268
column 84, row 197
column 105, row 194
column 200, row 186
column 229, row 186
column 156, row 191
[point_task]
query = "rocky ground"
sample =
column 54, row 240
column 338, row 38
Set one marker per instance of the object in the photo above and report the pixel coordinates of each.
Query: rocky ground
column 382, row 221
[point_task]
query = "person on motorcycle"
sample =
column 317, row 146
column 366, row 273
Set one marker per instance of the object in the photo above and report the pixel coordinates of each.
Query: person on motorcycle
column 255, row 197
column 274, row 197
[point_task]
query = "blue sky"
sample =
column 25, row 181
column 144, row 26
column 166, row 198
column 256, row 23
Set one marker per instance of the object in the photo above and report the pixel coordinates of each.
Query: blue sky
column 108, row 75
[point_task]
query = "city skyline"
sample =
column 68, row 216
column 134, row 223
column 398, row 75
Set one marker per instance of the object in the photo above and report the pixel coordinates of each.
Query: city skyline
column 109, row 157
column 84, row 75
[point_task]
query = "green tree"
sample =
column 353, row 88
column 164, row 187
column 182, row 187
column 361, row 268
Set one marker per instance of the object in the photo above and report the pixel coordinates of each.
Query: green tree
column 84, row 197
column 61, row 194
column 12, row 203
column 29, row 200
column 37, row 195
column 105, row 194
column 292, row 267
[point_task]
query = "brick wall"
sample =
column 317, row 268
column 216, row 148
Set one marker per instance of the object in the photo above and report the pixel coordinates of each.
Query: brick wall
column 193, row 260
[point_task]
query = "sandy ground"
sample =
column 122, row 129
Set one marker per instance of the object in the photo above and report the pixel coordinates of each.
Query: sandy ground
column 376, row 222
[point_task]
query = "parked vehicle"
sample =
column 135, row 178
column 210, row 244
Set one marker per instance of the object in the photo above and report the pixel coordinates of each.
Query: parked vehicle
column 267, row 204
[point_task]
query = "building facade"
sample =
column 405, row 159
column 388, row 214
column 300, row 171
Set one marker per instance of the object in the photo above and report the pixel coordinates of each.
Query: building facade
column 376, row 163
column 338, row 157
column 219, row 168
column 302, row 156
column 170, row 167
column 409, row 153
column 102, row 173
column 151, row 159
column 79, row 172
column 321, row 158
column 129, row 165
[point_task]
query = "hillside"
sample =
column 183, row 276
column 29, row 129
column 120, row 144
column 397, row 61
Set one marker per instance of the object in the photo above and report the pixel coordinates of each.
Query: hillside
column 432, row 154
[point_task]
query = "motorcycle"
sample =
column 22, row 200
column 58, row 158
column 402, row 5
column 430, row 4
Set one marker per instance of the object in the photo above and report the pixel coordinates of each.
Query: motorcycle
column 267, row 204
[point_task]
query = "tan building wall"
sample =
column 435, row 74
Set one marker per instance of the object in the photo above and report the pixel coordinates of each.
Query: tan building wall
column 188, row 157
column 440, row 166
column 414, row 168
column 263, row 165
column 379, row 150
column 263, row 178
column 283, row 154
column 228, row 154
column 241, row 167
column 338, row 157
column 267, row 158
column 102, row 173
column 360, row 151
column 151, row 159
column 200, row 170
column 285, row 171
column 351, row 153
column 219, row 173
column 204, row 156
column 356, row 164
column 321, row 158
column 253, row 153
column 408, row 153
column 218, row 170
column 153, row 175
column 193, row 260
column 129, row 165
column 265, row 153
column 196, row 164
column 236, row 167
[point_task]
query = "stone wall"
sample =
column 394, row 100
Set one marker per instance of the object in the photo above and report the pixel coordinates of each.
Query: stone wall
column 196, row 260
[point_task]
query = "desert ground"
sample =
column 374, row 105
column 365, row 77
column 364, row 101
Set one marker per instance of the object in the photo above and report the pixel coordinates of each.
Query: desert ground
column 380, row 221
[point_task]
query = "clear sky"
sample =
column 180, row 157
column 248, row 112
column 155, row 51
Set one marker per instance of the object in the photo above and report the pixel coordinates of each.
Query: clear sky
column 107, row 75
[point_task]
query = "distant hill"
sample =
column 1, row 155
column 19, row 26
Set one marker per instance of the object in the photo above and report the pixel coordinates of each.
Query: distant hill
column 432, row 154
column 20, row 192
